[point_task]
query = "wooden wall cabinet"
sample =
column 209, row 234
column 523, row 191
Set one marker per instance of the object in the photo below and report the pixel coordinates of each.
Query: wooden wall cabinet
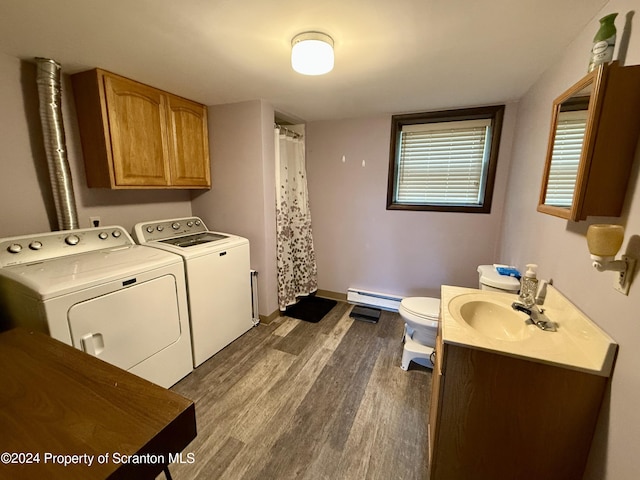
column 595, row 183
column 136, row 136
column 501, row 418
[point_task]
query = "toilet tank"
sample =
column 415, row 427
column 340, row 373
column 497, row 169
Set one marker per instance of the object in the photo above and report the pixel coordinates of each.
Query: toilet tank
column 490, row 279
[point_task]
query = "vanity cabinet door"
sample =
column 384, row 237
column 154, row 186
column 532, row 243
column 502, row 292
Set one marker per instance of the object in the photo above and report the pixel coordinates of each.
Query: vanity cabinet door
column 436, row 382
column 503, row 418
column 138, row 126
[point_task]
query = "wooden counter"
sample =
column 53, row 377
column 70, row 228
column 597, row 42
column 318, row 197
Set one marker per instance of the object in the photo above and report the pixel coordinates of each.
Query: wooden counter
column 57, row 401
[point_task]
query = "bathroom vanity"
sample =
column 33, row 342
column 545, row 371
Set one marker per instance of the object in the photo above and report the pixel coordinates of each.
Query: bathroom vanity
column 510, row 400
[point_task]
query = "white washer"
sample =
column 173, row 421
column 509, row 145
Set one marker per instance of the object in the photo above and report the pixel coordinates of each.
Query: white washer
column 218, row 279
column 97, row 290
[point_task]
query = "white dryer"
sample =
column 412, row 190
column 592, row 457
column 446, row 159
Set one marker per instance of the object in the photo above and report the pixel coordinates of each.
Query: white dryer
column 97, row 290
column 218, row 279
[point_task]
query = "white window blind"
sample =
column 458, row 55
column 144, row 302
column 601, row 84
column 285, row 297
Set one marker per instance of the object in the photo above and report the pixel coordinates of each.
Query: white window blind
column 443, row 163
column 565, row 158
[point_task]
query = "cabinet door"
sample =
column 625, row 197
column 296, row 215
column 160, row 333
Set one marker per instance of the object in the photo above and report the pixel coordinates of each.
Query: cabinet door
column 436, row 382
column 189, row 143
column 138, row 128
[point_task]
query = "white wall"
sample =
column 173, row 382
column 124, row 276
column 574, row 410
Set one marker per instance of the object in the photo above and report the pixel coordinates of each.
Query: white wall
column 26, row 203
column 359, row 243
column 242, row 197
column 560, row 248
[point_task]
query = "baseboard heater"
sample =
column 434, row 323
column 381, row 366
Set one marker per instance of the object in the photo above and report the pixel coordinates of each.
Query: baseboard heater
column 255, row 314
column 373, row 299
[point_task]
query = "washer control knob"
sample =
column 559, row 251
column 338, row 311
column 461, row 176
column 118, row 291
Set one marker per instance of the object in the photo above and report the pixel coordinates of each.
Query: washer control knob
column 198, row 222
column 175, row 225
column 116, row 233
column 103, row 235
column 35, row 245
column 72, row 240
column 160, row 228
column 150, row 229
column 14, row 248
column 189, row 224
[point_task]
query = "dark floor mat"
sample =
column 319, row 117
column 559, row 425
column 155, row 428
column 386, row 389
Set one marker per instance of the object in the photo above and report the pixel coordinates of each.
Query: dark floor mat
column 310, row 309
column 366, row 314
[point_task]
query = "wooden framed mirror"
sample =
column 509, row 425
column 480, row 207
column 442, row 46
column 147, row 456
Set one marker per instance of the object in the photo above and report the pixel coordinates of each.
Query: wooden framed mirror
column 592, row 140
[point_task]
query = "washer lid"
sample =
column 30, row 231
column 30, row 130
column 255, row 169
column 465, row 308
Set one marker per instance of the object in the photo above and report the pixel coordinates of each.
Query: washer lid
column 187, row 241
column 199, row 249
column 426, row 307
column 490, row 276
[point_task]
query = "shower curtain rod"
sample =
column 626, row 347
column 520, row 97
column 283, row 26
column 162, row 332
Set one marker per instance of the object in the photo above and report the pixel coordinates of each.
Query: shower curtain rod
column 287, row 131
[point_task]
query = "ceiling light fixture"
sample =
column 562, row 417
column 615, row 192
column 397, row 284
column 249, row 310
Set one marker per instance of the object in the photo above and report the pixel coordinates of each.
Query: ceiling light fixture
column 312, row 53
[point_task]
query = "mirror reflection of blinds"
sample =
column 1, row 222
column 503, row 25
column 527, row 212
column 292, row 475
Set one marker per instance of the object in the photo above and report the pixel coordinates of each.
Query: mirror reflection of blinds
column 567, row 149
column 443, row 163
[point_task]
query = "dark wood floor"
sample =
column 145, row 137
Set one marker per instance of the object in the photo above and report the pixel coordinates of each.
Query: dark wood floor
column 294, row 399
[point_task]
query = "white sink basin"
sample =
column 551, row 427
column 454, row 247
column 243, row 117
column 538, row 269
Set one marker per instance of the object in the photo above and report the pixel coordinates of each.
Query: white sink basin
column 485, row 320
column 490, row 317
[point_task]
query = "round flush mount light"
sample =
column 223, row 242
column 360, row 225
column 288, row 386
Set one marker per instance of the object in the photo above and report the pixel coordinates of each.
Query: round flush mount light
column 312, row 53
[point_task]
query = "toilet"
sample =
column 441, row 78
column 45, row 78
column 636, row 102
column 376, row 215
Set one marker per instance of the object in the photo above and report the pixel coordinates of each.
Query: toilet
column 490, row 279
column 421, row 316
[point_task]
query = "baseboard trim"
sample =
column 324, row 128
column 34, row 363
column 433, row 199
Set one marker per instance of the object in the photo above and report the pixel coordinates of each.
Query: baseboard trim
column 332, row 295
column 267, row 319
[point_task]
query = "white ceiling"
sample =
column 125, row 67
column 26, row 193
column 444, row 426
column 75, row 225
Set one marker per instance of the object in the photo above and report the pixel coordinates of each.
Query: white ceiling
column 392, row 56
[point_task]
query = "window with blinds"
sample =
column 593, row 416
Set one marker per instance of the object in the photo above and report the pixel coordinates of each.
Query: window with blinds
column 442, row 163
column 565, row 158
column 446, row 162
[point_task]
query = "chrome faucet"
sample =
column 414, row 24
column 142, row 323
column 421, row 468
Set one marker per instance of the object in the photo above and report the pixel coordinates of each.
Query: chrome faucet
column 536, row 316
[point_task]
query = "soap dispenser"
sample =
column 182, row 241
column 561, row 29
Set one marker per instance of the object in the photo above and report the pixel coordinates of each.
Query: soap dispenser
column 529, row 285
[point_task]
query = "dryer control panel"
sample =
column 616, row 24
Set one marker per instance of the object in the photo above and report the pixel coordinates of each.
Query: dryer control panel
column 44, row 246
column 169, row 228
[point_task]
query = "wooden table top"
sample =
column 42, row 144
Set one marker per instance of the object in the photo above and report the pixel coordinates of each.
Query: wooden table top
column 58, row 404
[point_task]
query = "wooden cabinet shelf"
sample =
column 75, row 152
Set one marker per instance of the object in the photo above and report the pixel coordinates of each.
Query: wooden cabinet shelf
column 499, row 417
column 136, row 136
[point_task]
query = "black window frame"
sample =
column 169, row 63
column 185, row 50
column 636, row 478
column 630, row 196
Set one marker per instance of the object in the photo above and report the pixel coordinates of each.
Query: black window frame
column 493, row 112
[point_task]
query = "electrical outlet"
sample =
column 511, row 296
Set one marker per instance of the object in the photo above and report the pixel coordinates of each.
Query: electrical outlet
column 623, row 279
column 95, row 221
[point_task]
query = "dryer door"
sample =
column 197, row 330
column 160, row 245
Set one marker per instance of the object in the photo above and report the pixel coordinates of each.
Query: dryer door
column 128, row 326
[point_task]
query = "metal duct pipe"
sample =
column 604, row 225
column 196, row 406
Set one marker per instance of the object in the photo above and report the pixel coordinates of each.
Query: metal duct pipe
column 49, row 94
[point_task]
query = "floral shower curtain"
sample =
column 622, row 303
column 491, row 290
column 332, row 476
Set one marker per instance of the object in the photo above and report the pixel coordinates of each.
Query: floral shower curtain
column 296, row 260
